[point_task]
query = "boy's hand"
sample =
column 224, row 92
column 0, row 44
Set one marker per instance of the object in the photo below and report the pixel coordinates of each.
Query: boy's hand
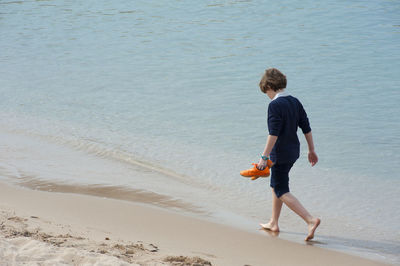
column 312, row 158
column 261, row 164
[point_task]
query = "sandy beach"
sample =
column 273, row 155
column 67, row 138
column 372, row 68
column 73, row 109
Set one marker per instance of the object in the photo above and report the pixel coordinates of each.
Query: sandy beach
column 124, row 126
column 54, row 228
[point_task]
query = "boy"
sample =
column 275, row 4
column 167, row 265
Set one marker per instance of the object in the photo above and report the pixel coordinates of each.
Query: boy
column 285, row 115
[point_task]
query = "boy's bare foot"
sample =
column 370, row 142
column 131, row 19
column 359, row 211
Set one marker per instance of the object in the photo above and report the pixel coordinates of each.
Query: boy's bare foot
column 273, row 227
column 312, row 227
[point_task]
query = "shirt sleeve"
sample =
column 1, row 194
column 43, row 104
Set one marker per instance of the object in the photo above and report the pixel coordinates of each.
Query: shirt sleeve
column 304, row 124
column 274, row 119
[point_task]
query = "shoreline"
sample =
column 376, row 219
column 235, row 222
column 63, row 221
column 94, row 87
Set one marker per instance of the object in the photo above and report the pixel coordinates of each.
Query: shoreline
column 54, row 163
column 129, row 232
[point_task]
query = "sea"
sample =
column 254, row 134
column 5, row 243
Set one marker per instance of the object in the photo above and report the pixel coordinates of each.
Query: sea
column 162, row 97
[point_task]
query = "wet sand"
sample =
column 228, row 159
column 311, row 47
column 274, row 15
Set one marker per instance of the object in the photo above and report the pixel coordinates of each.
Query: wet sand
column 53, row 227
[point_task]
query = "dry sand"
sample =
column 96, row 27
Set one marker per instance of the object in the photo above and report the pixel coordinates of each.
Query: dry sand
column 52, row 228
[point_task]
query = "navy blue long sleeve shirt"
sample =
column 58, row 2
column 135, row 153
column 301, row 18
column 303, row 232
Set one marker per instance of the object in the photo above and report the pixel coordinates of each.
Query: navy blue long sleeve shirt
column 285, row 115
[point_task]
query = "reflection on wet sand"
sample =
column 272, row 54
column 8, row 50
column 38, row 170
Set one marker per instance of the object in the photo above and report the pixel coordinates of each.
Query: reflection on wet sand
column 111, row 191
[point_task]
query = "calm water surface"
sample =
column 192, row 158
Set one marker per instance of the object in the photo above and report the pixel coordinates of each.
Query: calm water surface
column 163, row 96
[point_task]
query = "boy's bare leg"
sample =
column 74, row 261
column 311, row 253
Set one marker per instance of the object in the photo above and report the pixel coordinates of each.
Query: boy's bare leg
column 294, row 204
column 272, row 225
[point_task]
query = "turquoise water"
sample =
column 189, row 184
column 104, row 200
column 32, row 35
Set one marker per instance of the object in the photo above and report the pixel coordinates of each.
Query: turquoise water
column 171, row 88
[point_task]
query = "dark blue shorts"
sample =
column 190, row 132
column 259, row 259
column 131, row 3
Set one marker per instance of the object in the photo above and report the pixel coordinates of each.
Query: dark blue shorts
column 280, row 178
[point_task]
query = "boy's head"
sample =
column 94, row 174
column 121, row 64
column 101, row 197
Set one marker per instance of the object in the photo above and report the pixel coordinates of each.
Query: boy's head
column 273, row 79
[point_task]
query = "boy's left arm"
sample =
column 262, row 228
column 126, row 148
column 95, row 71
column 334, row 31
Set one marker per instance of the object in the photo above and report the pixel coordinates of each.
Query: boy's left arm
column 312, row 156
column 271, row 140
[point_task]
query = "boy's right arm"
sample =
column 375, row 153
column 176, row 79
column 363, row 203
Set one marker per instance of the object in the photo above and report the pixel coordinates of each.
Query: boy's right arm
column 312, row 156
